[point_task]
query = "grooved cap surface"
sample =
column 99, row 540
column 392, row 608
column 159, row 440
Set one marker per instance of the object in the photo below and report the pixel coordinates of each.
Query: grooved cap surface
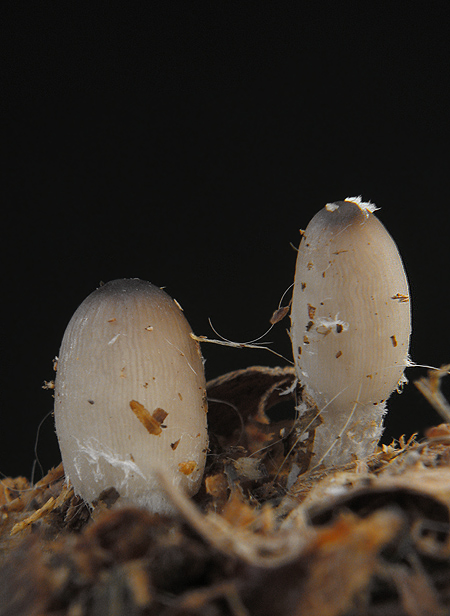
column 130, row 395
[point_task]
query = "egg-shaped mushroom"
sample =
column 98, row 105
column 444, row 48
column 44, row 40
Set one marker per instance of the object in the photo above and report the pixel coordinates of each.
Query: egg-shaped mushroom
column 130, row 396
column 350, row 327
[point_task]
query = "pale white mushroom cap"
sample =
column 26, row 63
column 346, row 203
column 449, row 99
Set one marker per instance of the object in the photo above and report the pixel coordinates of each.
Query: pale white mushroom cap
column 129, row 345
column 351, row 324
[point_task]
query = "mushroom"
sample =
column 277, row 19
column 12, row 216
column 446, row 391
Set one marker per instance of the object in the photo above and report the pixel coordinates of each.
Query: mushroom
column 130, row 396
column 350, row 327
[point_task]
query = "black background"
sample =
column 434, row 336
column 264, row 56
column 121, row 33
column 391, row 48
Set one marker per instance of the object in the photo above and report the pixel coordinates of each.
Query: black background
column 187, row 146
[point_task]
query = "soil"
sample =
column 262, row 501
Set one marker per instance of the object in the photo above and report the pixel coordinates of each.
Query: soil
column 266, row 535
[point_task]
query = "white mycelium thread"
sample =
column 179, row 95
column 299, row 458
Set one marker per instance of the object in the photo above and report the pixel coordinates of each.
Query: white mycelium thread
column 351, row 326
column 127, row 353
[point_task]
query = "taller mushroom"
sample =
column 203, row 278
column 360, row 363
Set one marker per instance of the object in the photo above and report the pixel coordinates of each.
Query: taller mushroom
column 350, row 327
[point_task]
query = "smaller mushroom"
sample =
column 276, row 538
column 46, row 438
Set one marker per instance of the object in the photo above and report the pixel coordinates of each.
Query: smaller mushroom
column 130, row 384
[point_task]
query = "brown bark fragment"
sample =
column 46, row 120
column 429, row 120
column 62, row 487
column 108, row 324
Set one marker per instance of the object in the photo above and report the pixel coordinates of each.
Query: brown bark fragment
column 152, row 423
